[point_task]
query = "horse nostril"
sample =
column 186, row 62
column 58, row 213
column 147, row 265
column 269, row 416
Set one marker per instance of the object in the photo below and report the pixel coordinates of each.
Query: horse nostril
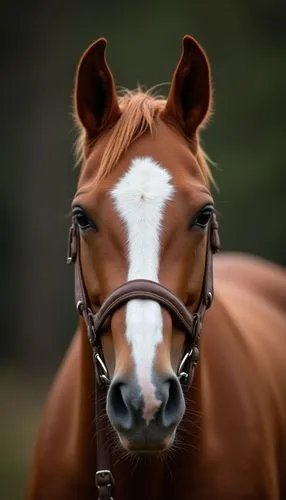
column 174, row 407
column 117, row 405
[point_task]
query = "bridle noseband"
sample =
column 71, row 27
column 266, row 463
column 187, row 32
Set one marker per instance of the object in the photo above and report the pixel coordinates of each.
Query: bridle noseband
column 183, row 319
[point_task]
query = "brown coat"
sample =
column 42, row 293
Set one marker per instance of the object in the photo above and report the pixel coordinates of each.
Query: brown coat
column 232, row 441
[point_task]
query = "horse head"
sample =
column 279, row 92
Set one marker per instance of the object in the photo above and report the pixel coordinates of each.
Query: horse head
column 143, row 211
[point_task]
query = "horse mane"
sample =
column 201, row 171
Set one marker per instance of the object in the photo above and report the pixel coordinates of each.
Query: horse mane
column 138, row 112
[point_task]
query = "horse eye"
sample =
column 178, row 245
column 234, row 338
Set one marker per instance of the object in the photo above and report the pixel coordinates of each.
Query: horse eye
column 82, row 219
column 202, row 218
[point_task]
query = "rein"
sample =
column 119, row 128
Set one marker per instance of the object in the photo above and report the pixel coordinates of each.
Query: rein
column 190, row 323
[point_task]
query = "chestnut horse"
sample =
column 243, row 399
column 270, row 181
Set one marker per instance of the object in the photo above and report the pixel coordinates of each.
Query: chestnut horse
column 142, row 241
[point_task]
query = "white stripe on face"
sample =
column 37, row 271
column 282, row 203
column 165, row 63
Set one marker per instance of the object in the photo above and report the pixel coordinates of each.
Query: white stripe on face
column 140, row 198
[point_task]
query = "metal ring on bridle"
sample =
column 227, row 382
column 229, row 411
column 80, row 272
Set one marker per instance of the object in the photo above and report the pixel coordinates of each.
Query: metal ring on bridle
column 180, row 373
column 79, row 305
column 104, row 376
column 209, row 299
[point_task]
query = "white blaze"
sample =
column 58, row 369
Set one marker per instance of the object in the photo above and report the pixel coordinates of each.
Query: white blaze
column 140, row 197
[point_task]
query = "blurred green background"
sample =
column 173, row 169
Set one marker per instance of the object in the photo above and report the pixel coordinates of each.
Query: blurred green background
column 41, row 44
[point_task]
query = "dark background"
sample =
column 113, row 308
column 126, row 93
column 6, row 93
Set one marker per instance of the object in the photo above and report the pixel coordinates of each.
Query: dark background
column 41, row 45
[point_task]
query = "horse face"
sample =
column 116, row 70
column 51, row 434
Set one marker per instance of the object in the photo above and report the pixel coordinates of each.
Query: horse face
column 146, row 218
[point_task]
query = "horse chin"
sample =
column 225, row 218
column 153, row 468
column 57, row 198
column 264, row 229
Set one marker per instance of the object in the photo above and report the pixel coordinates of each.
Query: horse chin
column 148, row 445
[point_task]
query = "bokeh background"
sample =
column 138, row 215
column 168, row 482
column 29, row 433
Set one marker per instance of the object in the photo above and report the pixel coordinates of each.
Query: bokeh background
column 41, row 44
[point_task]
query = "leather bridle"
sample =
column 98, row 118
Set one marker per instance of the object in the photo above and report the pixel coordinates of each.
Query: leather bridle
column 190, row 323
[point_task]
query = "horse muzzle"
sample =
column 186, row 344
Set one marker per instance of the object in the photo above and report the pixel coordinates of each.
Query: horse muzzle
column 140, row 426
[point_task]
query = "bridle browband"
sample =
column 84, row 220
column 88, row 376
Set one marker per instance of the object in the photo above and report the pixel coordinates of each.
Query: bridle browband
column 183, row 319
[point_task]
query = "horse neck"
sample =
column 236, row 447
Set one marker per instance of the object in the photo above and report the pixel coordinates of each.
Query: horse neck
column 83, row 453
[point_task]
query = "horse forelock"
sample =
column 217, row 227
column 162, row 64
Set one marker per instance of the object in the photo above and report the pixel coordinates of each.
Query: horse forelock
column 139, row 110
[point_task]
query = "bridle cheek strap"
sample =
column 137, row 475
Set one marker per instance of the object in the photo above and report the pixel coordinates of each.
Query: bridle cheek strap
column 182, row 318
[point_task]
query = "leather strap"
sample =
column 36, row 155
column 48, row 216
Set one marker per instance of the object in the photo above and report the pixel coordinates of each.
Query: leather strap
column 144, row 289
column 104, row 480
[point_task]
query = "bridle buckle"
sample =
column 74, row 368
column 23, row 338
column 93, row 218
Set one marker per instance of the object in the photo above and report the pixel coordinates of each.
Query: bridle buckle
column 104, row 481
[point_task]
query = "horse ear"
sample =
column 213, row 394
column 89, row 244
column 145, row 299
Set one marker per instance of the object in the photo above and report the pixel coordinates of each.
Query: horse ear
column 96, row 103
column 189, row 100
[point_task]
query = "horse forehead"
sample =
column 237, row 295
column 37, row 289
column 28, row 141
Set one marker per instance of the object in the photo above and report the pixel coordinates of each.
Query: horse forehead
column 145, row 181
column 140, row 198
column 146, row 185
column 165, row 145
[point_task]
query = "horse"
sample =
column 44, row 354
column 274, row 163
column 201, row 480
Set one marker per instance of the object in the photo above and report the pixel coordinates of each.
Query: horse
column 167, row 391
